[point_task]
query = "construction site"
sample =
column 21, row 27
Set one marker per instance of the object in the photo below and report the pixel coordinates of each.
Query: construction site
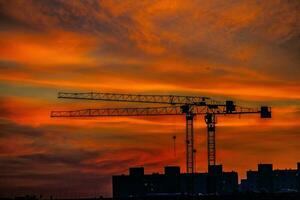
column 173, row 183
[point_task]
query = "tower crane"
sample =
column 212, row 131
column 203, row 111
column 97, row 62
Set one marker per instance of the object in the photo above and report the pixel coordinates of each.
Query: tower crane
column 189, row 106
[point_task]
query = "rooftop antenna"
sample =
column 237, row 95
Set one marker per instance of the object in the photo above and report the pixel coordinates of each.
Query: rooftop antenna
column 174, row 144
column 195, row 151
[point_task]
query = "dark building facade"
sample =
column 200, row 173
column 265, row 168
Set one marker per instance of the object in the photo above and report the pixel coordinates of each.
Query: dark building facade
column 172, row 182
column 221, row 182
column 265, row 179
column 216, row 181
column 298, row 176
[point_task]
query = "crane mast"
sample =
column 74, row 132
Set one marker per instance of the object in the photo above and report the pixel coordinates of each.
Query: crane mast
column 210, row 120
column 190, row 106
column 189, row 137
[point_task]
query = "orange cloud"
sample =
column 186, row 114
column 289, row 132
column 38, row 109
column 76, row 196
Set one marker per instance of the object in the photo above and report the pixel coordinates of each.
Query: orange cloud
column 57, row 48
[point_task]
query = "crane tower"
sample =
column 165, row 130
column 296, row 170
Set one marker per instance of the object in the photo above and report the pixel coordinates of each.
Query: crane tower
column 190, row 106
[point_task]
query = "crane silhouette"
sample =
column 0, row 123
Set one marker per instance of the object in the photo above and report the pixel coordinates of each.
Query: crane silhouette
column 190, row 106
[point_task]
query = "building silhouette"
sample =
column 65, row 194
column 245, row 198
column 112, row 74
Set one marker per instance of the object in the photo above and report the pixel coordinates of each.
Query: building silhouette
column 216, row 181
column 172, row 182
column 265, row 179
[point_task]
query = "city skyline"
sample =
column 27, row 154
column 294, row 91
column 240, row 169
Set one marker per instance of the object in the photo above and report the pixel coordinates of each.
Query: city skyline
column 245, row 51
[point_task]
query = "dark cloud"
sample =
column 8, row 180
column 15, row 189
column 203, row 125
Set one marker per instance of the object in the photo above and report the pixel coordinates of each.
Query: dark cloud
column 79, row 16
column 43, row 163
column 6, row 65
column 73, row 157
column 9, row 128
column 8, row 22
column 255, row 140
column 68, row 184
column 4, row 111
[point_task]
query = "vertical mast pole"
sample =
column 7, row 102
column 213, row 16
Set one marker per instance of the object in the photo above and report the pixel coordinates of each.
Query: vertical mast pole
column 210, row 120
column 189, row 143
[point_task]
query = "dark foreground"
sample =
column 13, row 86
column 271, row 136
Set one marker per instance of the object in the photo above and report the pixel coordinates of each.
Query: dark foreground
column 286, row 196
column 238, row 196
column 249, row 196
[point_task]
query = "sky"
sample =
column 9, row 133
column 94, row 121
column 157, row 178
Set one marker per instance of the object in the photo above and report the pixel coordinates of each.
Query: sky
column 246, row 51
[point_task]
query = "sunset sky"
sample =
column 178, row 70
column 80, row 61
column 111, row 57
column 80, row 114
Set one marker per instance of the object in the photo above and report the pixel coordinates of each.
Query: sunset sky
column 247, row 51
